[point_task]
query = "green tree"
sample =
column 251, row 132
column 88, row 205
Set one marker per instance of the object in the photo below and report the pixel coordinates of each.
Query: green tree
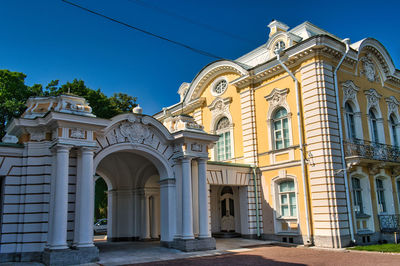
column 102, row 106
column 13, row 95
column 100, row 199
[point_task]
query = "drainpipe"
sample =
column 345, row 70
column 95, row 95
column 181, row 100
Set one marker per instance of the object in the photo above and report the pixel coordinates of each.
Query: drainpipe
column 344, row 167
column 300, row 126
column 256, row 195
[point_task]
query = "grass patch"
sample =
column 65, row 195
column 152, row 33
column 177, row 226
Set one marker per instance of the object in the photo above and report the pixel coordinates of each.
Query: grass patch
column 393, row 248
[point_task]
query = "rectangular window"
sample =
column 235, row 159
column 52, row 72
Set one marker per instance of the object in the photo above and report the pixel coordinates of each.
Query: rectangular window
column 224, row 146
column 381, row 196
column 287, row 199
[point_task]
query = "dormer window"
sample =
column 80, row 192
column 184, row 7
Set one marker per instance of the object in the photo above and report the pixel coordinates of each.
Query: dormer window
column 280, row 45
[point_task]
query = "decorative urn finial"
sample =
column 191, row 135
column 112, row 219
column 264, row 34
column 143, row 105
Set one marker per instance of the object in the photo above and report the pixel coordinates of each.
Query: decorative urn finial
column 137, row 110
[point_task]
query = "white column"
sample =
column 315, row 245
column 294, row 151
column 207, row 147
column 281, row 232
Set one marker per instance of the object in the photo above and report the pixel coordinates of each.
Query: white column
column 168, row 210
column 78, row 192
column 157, row 215
column 187, row 212
column 58, row 237
column 203, row 200
column 145, row 217
column 154, row 231
column 85, row 198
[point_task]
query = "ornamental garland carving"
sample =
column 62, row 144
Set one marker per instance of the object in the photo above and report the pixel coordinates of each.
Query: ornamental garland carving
column 220, row 108
column 77, row 133
column 372, row 98
column 277, row 98
column 37, row 134
column 368, row 67
column 350, row 91
column 393, row 105
column 135, row 131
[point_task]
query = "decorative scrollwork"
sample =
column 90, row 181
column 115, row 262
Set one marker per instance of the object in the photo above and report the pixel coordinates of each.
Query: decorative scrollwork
column 372, row 150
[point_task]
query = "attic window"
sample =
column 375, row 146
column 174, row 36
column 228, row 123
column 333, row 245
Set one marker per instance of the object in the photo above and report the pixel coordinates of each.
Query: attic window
column 280, row 45
column 220, row 87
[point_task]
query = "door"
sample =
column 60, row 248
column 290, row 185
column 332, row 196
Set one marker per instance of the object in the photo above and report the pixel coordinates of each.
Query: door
column 227, row 211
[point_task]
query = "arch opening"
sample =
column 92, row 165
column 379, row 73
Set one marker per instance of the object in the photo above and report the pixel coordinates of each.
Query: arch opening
column 132, row 178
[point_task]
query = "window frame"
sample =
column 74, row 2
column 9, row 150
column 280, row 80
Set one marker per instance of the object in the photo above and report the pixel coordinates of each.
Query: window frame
column 373, row 126
column 350, row 121
column 380, row 194
column 225, row 136
column 393, row 129
column 216, row 83
column 357, row 195
column 274, row 131
column 287, row 194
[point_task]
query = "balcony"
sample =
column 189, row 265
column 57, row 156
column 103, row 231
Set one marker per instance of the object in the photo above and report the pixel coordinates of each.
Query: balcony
column 371, row 150
column 389, row 223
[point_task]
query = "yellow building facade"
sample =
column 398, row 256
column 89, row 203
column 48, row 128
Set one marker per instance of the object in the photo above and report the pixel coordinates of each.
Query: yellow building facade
column 316, row 118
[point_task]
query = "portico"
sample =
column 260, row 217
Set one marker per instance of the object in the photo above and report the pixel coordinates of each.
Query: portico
column 148, row 170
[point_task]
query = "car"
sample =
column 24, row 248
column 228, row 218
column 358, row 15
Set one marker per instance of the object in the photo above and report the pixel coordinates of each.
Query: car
column 100, row 226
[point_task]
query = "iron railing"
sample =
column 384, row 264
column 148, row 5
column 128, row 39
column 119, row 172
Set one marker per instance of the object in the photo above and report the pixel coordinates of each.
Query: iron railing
column 371, row 150
column 389, row 222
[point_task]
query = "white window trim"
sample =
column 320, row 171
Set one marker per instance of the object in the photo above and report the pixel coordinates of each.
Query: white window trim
column 387, row 185
column 283, row 176
column 397, row 128
column 221, row 131
column 216, row 115
column 277, row 99
column 366, row 195
column 379, row 125
column 373, row 98
column 357, row 119
column 215, row 82
column 398, row 190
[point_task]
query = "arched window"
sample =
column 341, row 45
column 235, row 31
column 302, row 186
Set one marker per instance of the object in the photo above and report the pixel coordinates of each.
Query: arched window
column 357, row 196
column 281, row 129
column 287, row 199
column 224, row 141
column 373, row 126
column 351, row 131
column 393, row 130
column 380, row 191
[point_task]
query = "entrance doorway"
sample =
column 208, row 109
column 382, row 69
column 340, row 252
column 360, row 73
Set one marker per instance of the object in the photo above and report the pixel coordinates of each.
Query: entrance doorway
column 133, row 196
column 227, row 210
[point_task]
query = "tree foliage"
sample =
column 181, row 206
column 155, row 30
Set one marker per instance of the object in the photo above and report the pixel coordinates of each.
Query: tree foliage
column 14, row 93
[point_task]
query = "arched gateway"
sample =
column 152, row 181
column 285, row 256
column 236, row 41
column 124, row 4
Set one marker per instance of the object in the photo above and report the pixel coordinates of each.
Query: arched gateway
column 147, row 168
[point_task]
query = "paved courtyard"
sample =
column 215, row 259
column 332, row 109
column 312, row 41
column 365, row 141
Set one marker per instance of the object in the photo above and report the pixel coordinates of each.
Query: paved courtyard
column 235, row 251
column 290, row 256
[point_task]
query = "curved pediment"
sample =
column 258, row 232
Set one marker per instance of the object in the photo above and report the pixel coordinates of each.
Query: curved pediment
column 124, row 124
column 374, row 60
column 209, row 72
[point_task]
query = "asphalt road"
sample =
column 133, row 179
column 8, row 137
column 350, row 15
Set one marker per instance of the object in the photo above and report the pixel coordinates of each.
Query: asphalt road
column 277, row 255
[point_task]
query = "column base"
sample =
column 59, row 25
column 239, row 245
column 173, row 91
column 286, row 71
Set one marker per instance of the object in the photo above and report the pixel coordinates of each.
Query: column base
column 70, row 256
column 189, row 245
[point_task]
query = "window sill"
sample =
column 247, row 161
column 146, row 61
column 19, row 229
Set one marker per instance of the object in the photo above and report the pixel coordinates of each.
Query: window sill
column 362, row 216
column 287, row 218
column 283, row 150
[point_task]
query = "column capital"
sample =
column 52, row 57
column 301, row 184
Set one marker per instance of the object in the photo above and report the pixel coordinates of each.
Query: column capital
column 60, row 148
column 202, row 160
column 87, row 149
column 186, row 159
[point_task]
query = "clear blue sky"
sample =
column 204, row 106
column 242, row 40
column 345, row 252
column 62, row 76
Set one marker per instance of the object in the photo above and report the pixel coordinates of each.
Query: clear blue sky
column 48, row 39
